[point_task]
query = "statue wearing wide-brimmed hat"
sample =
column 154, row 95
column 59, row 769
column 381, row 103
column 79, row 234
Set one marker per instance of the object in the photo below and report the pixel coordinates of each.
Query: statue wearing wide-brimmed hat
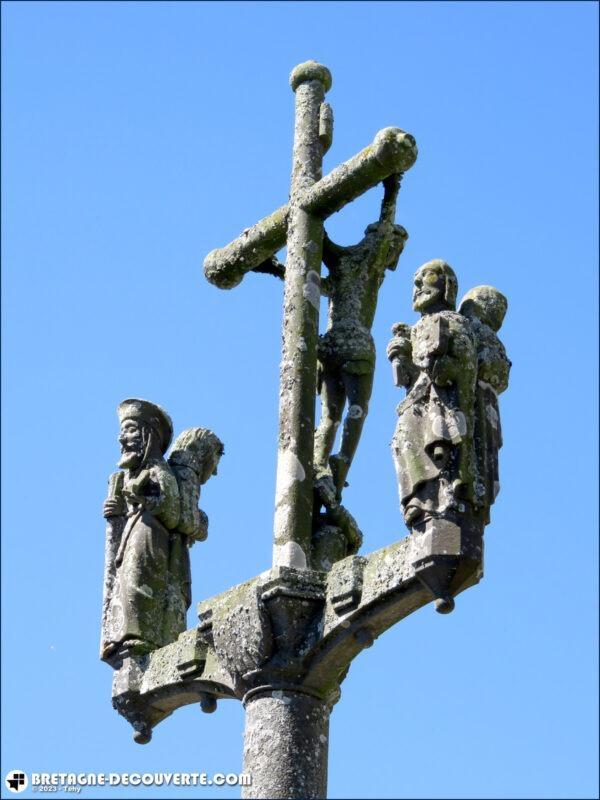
column 147, row 580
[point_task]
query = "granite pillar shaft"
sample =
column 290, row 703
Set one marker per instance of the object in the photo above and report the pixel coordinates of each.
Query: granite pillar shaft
column 286, row 743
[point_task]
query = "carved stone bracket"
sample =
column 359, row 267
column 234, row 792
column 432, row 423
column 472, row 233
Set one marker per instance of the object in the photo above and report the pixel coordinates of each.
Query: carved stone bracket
column 346, row 583
column 297, row 629
column 147, row 689
column 450, row 552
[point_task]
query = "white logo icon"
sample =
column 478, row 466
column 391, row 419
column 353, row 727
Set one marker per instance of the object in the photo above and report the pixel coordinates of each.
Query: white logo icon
column 16, row 781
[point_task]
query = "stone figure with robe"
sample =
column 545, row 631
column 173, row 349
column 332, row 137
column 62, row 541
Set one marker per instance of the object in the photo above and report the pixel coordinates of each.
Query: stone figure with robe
column 485, row 307
column 453, row 366
column 152, row 520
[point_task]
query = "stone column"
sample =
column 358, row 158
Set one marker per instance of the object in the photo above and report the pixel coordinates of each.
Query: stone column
column 286, row 743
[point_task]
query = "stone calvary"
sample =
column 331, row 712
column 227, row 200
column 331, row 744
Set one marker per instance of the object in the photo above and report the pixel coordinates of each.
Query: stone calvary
column 282, row 642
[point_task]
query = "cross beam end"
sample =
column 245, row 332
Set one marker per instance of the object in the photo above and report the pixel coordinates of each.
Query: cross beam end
column 226, row 266
column 396, row 148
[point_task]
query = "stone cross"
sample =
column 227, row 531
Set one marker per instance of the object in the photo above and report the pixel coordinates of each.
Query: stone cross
column 282, row 642
column 300, row 225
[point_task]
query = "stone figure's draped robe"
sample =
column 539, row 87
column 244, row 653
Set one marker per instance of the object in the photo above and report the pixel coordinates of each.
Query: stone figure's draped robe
column 152, row 565
column 438, row 409
column 493, row 369
column 192, row 526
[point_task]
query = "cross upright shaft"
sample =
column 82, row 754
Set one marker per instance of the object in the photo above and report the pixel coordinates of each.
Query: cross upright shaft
column 294, row 491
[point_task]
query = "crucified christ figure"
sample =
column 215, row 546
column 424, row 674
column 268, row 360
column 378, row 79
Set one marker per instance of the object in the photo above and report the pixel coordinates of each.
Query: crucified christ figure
column 346, row 351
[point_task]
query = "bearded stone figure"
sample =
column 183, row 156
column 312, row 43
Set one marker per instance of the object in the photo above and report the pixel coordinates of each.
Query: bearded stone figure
column 453, row 366
column 152, row 520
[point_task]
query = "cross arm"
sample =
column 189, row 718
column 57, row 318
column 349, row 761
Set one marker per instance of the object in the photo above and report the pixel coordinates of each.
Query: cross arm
column 392, row 151
column 226, row 267
column 333, row 252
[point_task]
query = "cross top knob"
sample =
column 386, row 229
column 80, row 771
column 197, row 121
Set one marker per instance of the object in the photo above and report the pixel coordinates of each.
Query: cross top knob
column 310, row 71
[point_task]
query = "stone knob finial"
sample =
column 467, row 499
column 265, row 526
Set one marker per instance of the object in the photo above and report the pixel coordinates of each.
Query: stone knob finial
column 395, row 148
column 208, row 703
column 444, row 605
column 310, row 71
column 142, row 733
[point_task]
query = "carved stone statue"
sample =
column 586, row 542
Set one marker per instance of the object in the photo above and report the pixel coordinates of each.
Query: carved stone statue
column 346, row 351
column 153, row 519
column 486, row 307
column 453, row 365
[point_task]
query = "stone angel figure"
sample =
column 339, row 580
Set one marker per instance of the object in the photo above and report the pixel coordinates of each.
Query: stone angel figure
column 152, row 520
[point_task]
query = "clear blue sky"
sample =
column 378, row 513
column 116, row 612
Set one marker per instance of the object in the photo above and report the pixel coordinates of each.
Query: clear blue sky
column 139, row 136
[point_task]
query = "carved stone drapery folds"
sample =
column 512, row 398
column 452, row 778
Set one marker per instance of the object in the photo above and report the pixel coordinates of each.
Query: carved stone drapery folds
column 152, row 521
column 453, row 366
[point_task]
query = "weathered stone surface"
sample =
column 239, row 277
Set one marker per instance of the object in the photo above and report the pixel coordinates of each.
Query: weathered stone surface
column 296, row 629
column 301, row 535
column 322, row 610
column 448, row 435
column 114, row 532
column 346, row 584
column 153, row 519
column 148, row 503
column 286, row 745
column 148, row 688
column 283, row 642
column 486, row 307
column 242, row 631
column 393, row 151
column 227, row 266
column 346, row 351
column 335, row 531
column 310, row 71
column 294, row 492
